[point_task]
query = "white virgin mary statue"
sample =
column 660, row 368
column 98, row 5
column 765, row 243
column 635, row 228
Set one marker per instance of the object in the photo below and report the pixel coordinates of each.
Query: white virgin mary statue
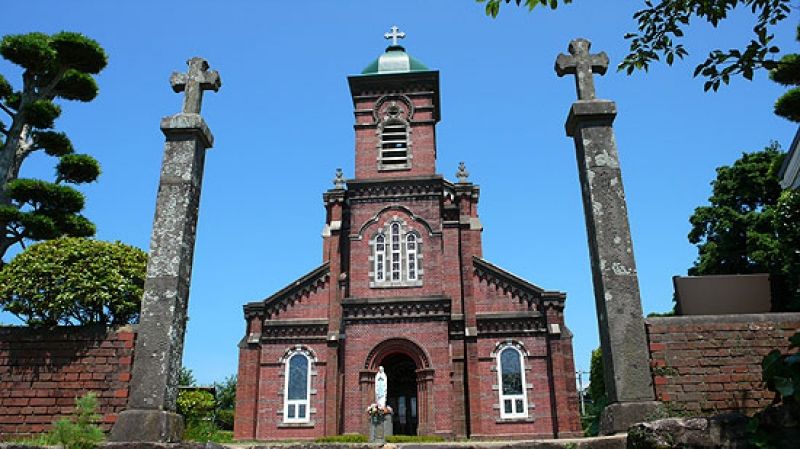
column 381, row 386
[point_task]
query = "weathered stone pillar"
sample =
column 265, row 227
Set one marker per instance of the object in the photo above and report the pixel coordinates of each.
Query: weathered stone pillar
column 616, row 286
column 150, row 415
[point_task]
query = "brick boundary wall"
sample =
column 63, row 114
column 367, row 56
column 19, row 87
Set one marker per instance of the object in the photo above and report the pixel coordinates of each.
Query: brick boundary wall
column 42, row 371
column 712, row 363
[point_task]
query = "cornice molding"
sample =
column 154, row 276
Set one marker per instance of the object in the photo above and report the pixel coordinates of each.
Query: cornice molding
column 397, row 189
column 435, row 308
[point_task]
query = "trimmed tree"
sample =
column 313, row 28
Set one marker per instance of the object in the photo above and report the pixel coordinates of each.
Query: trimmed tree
column 54, row 67
column 661, row 26
column 787, row 73
column 74, row 281
column 749, row 227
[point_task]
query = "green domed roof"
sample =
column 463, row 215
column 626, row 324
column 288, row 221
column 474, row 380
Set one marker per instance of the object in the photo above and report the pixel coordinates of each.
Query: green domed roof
column 395, row 60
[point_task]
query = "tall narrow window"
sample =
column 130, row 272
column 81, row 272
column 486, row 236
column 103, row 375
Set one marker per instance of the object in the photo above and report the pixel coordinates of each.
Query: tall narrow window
column 411, row 256
column 394, row 145
column 511, row 374
column 396, row 259
column 380, row 257
column 395, row 252
column 296, row 391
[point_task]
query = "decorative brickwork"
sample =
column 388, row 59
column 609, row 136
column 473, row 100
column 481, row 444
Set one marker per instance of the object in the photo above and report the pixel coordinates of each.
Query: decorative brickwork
column 403, row 286
column 712, row 364
column 42, row 371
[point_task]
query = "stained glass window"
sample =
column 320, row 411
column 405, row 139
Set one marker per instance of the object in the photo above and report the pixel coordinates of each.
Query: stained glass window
column 296, row 396
column 511, row 373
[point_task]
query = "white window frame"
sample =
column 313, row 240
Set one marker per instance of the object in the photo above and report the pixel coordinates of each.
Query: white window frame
column 515, row 413
column 396, row 253
column 412, row 264
column 396, row 259
column 380, row 258
column 297, row 402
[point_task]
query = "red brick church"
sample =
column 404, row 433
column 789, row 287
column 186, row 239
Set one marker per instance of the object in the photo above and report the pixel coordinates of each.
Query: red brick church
column 470, row 350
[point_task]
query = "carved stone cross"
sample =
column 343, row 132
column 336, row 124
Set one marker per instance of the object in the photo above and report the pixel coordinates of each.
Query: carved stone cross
column 198, row 79
column 394, row 34
column 582, row 65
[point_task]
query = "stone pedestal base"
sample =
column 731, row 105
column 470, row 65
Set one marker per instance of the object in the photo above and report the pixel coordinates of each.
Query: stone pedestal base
column 147, row 425
column 380, row 428
column 618, row 417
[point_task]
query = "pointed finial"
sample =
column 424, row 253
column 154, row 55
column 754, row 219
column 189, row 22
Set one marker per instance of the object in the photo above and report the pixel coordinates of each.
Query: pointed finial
column 394, row 34
column 338, row 181
column 462, row 174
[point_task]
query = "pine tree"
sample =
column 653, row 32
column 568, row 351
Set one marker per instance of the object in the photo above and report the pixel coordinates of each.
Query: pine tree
column 56, row 67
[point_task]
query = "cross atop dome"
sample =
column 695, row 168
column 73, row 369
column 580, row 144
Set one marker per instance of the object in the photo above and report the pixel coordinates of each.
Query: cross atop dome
column 394, row 34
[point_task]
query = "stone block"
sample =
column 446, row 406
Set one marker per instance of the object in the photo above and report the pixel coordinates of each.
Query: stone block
column 618, row 417
column 147, row 425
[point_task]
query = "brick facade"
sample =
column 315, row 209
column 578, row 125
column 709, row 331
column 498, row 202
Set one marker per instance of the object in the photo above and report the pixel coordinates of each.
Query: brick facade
column 433, row 312
column 42, row 371
column 712, row 364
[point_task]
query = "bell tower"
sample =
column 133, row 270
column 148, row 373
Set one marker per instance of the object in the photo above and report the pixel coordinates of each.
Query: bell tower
column 396, row 107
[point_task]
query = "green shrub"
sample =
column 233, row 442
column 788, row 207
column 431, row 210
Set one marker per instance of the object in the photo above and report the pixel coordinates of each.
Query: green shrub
column 414, row 439
column 79, row 432
column 346, row 438
column 781, row 372
column 205, row 431
column 224, row 419
column 195, row 405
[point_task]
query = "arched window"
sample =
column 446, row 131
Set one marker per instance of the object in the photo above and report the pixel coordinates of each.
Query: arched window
column 396, row 256
column 411, row 256
column 395, row 267
column 297, row 388
column 394, row 145
column 511, row 378
column 380, row 257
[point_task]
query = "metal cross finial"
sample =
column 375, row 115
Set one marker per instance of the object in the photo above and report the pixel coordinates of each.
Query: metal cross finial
column 582, row 64
column 462, row 174
column 194, row 82
column 338, row 181
column 394, row 34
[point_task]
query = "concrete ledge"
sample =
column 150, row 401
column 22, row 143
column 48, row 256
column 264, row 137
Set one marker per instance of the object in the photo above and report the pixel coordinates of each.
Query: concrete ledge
column 182, row 123
column 593, row 112
column 738, row 318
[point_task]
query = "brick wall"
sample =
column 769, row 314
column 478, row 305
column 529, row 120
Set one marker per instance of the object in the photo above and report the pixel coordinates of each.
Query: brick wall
column 42, row 371
column 709, row 364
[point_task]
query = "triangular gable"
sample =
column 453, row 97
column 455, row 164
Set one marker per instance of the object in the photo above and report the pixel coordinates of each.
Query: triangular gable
column 513, row 285
column 287, row 296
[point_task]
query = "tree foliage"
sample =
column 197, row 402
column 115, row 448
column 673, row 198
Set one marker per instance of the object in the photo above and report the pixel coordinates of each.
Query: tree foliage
column 72, row 280
column 186, row 377
column 751, row 226
column 226, row 392
column 58, row 66
column 661, row 25
column 787, row 73
column 195, row 405
column 597, row 391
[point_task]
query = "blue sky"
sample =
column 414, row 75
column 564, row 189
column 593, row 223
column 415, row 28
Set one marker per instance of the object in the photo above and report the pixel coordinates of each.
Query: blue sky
column 283, row 124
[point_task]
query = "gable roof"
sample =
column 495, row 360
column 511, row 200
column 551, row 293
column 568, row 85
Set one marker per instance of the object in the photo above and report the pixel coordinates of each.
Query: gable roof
column 514, row 285
column 288, row 295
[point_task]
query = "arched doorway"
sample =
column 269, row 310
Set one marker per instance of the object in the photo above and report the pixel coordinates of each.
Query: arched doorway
column 410, row 383
column 401, row 374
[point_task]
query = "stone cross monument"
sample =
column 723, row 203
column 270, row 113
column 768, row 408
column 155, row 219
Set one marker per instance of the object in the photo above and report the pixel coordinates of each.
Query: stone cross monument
column 616, row 286
column 150, row 415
